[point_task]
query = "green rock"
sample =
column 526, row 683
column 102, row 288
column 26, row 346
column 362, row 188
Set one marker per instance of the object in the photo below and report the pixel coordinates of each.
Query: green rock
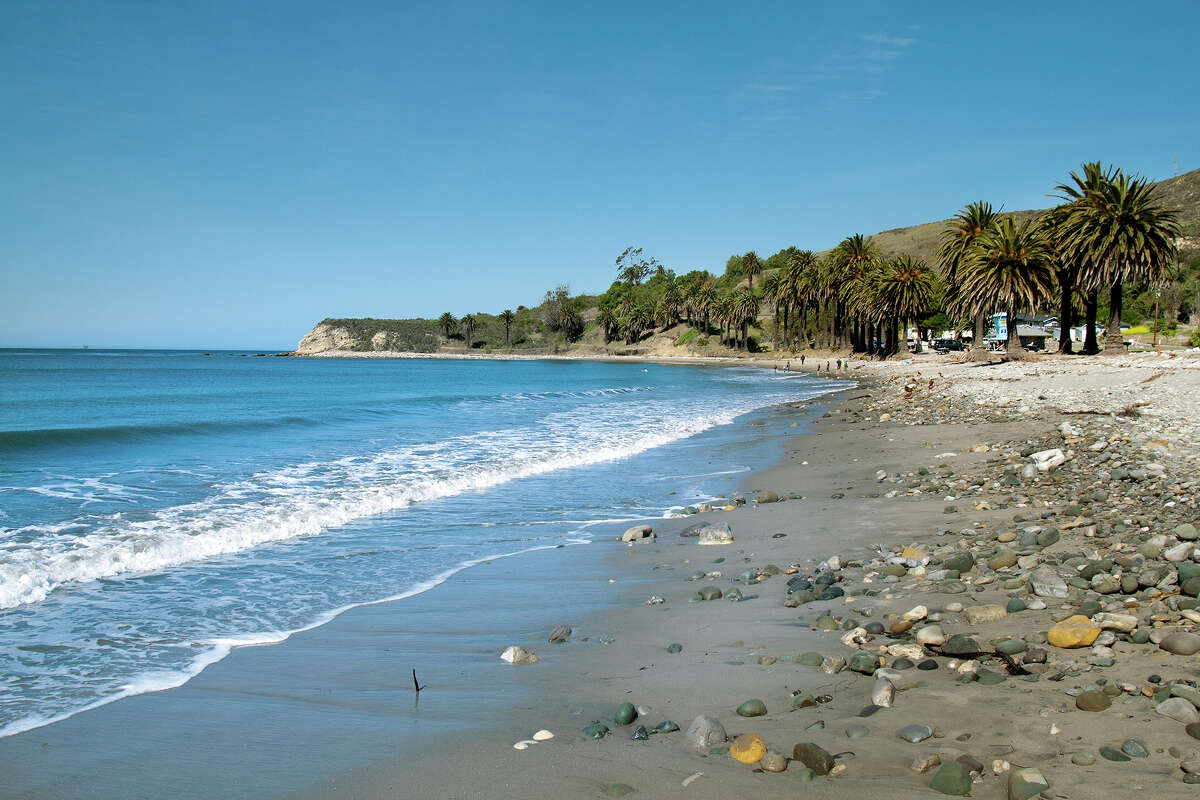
column 952, row 779
column 863, row 663
column 898, row 570
column 1186, row 531
column 1079, row 583
column 856, row 731
column 1083, row 759
column 734, row 594
column 667, row 726
column 1015, row 606
column 1188, row 569
column 809, row 659
column 752, row 708
column 619, row 790
column 1191, row 587
column 960, row 645
column 625, row 714
column 1090, row 608
column 1135, row 748
column 1193, row 730
column 962, row 562
column 805, row 774
column 710, row 593
column 1092, row 701
column 803, row 596
column 1011, row 647
column 826, row 623
column 1113, row 755
column 1002, row 559
column 814, row 756
column 1048, row 537
column 675, row 648
column 768, row 497
column 803, row 701
column 696, row 576
column 988, row 678
column 597, row 730
column 1140, row 637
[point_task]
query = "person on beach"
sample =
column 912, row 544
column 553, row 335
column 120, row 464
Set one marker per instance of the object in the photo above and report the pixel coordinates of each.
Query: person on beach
column 788, row 368
column 802, row 360
column 839, row 364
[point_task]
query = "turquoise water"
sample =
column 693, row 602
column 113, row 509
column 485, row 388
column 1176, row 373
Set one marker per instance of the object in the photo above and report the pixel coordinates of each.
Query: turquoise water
column 158, row 509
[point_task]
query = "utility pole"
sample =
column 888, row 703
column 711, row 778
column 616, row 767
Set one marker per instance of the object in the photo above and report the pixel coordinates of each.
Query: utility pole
column 1157, row 344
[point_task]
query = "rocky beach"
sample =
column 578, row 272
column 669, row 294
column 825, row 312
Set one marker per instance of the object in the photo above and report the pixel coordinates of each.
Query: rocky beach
column 963, row 580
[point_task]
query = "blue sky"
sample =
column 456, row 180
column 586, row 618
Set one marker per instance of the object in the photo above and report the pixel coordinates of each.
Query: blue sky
column 211, row 174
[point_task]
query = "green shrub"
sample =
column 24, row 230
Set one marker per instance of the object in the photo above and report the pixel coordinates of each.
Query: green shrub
column 690, row 335
column 1195, row 340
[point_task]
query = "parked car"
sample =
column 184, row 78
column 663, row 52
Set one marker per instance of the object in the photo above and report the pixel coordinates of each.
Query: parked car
column 948, row 345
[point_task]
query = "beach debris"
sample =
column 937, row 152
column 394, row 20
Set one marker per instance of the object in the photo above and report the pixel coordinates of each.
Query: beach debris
column 691, row 779
column 597, row 730
column 637, row 533
column 705, row 732
column 666, row 726
column 523, row 744
column 518, row 655
column 560, row 634
column 543, row 735
column 640, row 734
column 416, row 686
column 716, row 534
column 655, row 600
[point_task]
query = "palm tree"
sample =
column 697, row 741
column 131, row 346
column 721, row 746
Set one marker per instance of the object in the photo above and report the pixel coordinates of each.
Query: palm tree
column 468, row 328
column 447, row 322
column 1010, row 267
column 774, row 290
column 1123, row 234
column 958, row 241
column 507, row 317
column 751, row 266
column 1094, row 175
column 905, row 288
column 853, row 258
column 704, row 300
column 744, row 308
column 607, row 320
column 1053, row 224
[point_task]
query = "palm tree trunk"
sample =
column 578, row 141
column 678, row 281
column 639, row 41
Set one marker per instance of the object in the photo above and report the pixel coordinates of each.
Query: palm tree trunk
column 1091, row 307
column 980, row 331
column 1013, row 346
column 1066, row 310
column 1113, row 341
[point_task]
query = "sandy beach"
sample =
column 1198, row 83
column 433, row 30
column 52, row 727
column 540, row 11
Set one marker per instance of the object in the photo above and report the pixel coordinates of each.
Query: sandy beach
column 903, row 530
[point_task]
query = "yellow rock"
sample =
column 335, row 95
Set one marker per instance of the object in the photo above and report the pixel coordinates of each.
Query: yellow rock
column 749, row 748
column 912, row 552
column 1076, row 631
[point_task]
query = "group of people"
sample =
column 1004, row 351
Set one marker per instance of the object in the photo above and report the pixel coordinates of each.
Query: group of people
column 825, row 366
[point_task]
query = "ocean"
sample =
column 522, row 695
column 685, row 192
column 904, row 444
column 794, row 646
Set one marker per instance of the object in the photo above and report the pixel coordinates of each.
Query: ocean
column 160, row 508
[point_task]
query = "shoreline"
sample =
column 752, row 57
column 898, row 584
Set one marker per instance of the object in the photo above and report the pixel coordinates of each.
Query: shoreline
column 724, row 642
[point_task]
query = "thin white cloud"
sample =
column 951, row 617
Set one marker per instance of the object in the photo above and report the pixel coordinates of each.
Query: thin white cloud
column 883, row 38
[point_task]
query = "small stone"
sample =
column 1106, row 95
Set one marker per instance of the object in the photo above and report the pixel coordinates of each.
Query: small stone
column 1092, row 701
column 809, row 659
column 518, row 655
column 625, row 714
column 637, row 533
column 597, row 730
column 674, row 648
column 1083, row 759
column 923, row 764
column 715, row 535
column 1026, row 783
column 915, row 733
column 931, row 636
column 982, row 615
column 856, row 731
column 1179, row 710
column 805, row 774
column 752, row 708
column 1181, row 643
column 813, row 756
column 705, row 732
column 773, row 762
column 1193, row 730
column 962, row 646
column 928, row 665
column 749, row 748
column 1135, row 748
column 1112, row 754
column 864, row 663
column 640, row 734
column 1076, row 631
column 1015, row 606
column 952, row 779
column 710, row 593
column 560, row 634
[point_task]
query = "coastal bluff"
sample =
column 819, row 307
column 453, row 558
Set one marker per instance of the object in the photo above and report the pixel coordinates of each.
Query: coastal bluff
column 370, row 335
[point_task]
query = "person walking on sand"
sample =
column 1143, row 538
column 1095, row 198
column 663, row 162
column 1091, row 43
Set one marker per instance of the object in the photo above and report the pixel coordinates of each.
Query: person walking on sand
column 839, row 364
column 788, row 368
column 802, row 359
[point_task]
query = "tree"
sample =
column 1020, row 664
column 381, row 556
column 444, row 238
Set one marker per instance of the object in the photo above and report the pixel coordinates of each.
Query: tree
column 447, row 322
column 904, row 290
column 958, row 242
column 560, row 313
column 751, row 266
column 1060, row 221
column 1009, row 267
column 607, row 320
column 743, row 311
column 468, row 328
column 507, row 317
column 1123, row 234
column 633, row 267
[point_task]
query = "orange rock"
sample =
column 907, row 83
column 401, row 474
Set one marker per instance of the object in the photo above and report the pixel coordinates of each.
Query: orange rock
column 749, row 748
column 1076, row 631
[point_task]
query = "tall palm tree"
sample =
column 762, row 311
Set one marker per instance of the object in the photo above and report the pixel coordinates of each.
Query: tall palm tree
column 1053, row 224
column 774, row 290
column 703, row 300
column 853, row 258
column 1124, row 234
column 468, row 328
column 905, row 288
column 447, row 322
column 507, row 317
column 607, row 320
column 751, row 266
column 1009, row 267
column 958, row 241
column 1094, row 176
column 744, row 310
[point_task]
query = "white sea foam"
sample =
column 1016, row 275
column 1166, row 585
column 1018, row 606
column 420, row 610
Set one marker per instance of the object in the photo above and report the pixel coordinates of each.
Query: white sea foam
column 312, row 498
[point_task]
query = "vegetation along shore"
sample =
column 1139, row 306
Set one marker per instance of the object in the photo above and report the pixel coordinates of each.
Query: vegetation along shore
column 1115, row 249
